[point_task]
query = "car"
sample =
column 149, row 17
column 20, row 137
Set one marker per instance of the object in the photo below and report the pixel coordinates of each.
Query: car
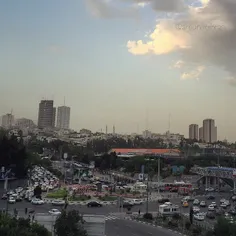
column 196, row 202
column 210, row 189
column 232, row 212
column 163, row 200
column 94, row 204
column 18, row 199
column 211, row 208
column 214, row 204
column 233, row 198
column 4, row 196
column 210, row 215
column 223, row 205
column 11, row 200
column 54, row 212
column 196, row 209
column 203, row 204
column 210, row 197
column 58, row 203
column 185, row 204
column 127, row 205
column 37, row 201
column 222, row 200
column 199, row 217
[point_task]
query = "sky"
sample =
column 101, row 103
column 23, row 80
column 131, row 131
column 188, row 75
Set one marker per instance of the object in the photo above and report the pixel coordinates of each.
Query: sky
column 128, row 63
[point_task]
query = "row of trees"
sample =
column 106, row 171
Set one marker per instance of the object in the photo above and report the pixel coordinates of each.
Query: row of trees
column 69, row 223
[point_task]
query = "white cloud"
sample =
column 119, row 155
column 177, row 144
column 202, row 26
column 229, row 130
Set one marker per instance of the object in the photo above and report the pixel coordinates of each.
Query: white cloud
column 179, row 64
column 193, row 74
column 205, row 36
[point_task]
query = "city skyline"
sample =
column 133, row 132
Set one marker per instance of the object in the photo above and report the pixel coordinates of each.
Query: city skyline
column 106, row 59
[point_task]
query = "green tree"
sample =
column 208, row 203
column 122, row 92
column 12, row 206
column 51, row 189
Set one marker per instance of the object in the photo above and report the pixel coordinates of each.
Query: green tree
column 70, row 223
column 222, row 227
column 20, row 227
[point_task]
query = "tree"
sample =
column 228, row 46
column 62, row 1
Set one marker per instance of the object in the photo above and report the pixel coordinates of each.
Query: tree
column 70, row 223
column 20, row 227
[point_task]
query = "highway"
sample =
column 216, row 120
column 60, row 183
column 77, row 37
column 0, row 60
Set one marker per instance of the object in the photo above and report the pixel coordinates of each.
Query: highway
column 131, row 228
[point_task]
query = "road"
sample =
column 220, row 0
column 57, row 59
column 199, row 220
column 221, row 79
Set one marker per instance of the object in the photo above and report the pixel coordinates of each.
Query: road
column 152, row 206
column 130, row 228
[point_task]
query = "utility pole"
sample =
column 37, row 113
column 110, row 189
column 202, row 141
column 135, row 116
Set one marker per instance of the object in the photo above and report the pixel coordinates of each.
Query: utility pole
column 147, row 202
column 158, row 175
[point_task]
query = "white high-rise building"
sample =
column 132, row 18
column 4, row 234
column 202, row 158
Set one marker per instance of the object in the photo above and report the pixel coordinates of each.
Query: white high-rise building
column 63, row 117
column 209, row 131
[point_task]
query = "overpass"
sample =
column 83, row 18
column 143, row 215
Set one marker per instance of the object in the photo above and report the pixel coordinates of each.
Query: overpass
column 227, row 174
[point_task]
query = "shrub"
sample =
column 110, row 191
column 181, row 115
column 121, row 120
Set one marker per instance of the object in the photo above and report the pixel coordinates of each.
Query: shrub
column 148, row 216
column 187, row 225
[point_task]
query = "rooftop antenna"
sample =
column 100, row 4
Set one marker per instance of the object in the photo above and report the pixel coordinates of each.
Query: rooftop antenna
column 147, row 119
column 169, row 123
column 11, row 118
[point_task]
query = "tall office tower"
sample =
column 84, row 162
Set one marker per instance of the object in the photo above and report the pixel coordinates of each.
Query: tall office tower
column 209, row 131
column 54, row 117
column 193, row 131
column 63, row 117
column 114, row 129
column 201, row 133
column 45, row 115
column 106, row 129
column 7, row 121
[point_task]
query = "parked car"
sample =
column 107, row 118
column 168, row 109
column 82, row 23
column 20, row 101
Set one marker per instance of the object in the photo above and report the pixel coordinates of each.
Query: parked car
column 163, row 200
column 210, row 215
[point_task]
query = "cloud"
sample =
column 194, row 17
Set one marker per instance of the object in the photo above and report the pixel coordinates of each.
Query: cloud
column 179, row 64
column 202, row 36
column 188, row 70
column 110, row 9
column 193, row 74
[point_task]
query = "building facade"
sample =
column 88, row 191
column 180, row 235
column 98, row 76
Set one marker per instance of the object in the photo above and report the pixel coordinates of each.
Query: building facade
column 7, row 121
column 63, row 117
column 201, row 133
column 54, row 117
column 193, row 131
column 45, row 114
column 209, row 131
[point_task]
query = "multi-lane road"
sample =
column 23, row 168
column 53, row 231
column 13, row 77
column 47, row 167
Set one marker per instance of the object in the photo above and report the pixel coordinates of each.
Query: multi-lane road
column 130, row 228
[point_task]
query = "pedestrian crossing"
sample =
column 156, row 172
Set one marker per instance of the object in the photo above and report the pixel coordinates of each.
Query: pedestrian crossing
column 111, row 218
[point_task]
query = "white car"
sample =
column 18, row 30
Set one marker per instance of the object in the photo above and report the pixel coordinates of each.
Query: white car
column 223, row 205
column 196, row 209
column 196, row 202
column 199, row 217
column 11, row 200
column 36, row 201
column 54, row 212
column 202, row 204
column 58, row 202
column 209, row 189
column 222, row 200
column 214, row 204
column 211, row 208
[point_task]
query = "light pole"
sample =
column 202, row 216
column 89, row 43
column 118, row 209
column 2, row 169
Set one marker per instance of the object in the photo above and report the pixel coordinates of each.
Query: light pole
column 147, row 202
column 158, row 174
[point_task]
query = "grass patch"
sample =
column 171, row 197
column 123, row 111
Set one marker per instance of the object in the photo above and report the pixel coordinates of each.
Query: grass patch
column 107, row 198
column 79, row 198
column 60, row 193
